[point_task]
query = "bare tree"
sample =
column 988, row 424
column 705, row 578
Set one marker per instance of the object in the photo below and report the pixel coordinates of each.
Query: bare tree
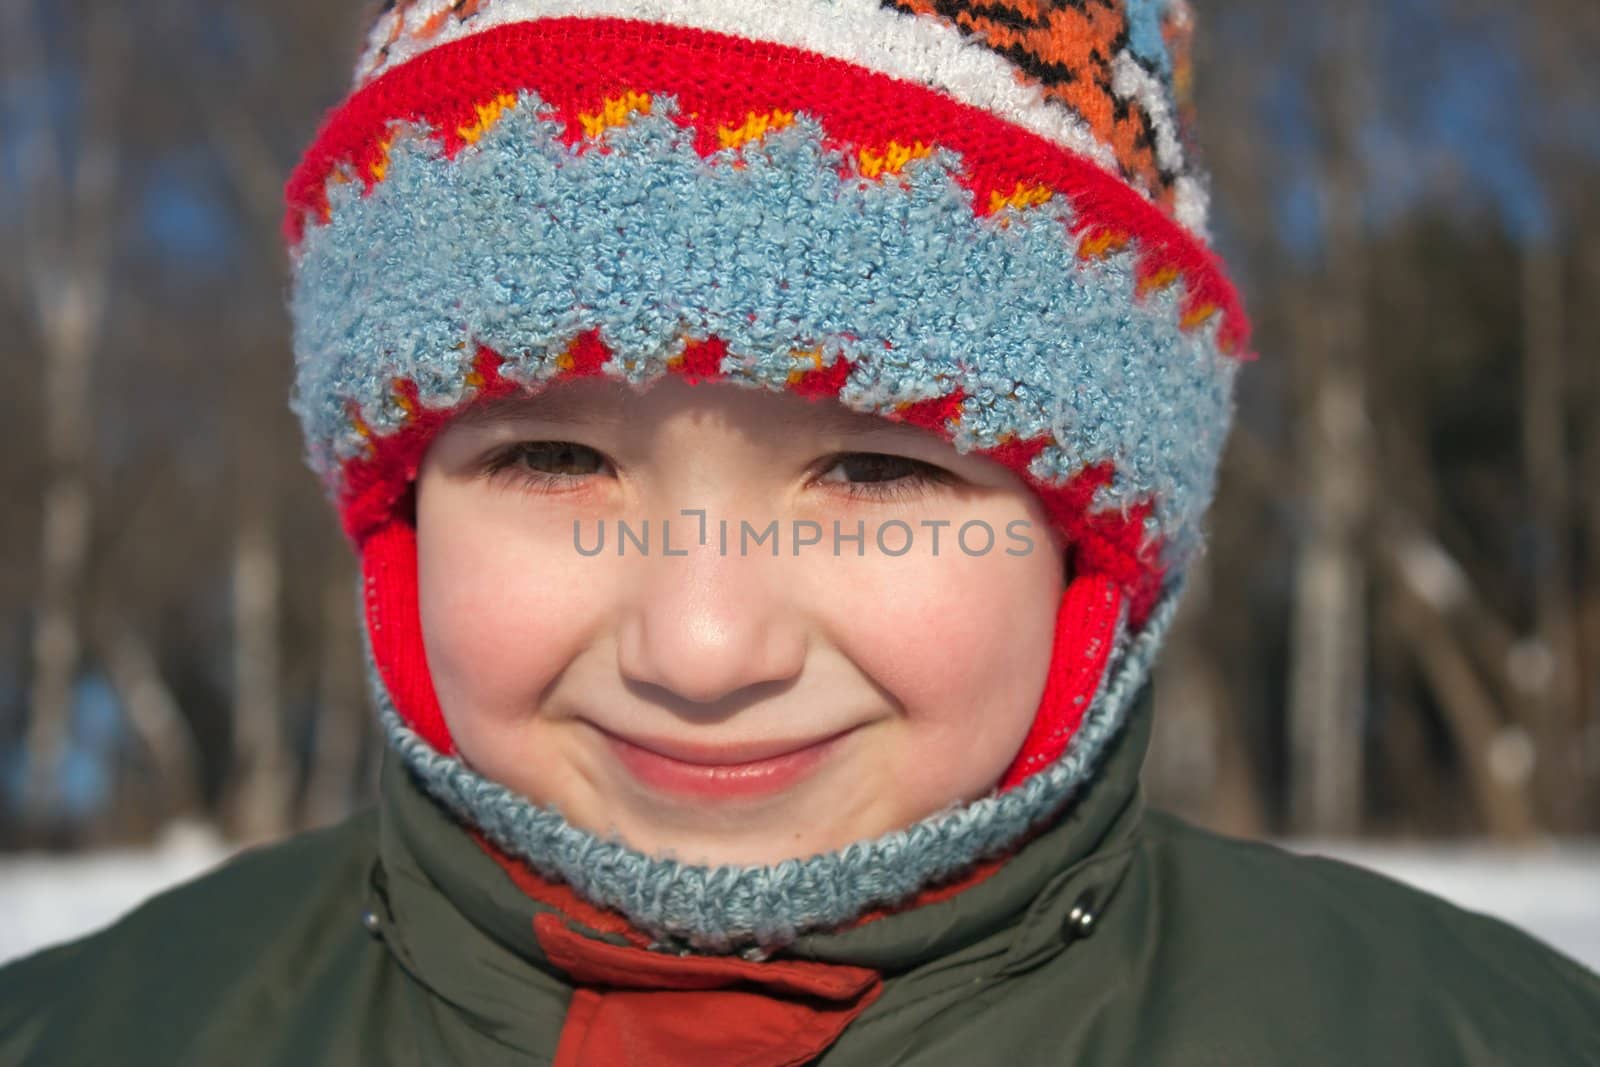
column 1551, row 656
column 342, row 708
column 157, row 721
column 263, row 782
column 1426, row 593
column 65, row 254
column 1199, row 762
column 1327, row 692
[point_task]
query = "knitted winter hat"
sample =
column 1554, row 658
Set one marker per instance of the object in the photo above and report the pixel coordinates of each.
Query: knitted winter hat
column 985, row 219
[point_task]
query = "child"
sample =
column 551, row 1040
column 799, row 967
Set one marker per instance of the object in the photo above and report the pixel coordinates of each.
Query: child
column 774, row 433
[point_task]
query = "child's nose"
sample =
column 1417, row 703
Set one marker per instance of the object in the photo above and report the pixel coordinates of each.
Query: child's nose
column 706, row 627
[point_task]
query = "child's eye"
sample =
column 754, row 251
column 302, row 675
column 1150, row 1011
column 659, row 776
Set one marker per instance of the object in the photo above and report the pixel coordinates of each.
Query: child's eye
column 880, row 476
column 544, row 465
column 551, row 466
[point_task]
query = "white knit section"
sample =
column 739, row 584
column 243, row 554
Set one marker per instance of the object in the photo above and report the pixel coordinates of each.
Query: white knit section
column 1131, row 81
column 1192, row 206
column 914, row 48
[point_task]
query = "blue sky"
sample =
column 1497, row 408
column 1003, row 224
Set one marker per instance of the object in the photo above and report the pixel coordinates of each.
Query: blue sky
column 1455, row 115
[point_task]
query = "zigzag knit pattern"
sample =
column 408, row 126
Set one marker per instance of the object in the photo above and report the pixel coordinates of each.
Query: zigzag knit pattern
column 1106, row 79
column 732, row 908
column 1014, row 298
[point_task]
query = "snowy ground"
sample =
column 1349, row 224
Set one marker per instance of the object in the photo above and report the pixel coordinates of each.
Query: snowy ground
column 1552, row 892
column 47, row 898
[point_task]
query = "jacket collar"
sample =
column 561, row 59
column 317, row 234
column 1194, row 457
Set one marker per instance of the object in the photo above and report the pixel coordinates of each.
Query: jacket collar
column 459, row 923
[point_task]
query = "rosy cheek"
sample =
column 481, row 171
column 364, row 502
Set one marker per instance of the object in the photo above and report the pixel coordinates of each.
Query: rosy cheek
column 949, row 634
column 498, row 611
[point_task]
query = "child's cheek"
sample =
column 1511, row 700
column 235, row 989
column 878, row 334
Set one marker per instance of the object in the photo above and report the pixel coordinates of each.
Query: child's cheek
column 504, row 608
column 962, row 643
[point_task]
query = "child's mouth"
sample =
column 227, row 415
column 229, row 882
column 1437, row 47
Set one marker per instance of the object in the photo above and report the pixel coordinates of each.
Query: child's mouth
column 723, row 772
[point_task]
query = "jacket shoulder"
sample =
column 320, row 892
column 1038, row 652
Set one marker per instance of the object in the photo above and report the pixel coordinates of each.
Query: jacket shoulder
column 1384, row 968
column 228, row 941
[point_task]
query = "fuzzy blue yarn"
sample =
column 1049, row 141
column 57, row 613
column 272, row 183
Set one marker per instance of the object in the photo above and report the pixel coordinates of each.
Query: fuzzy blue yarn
column 761, row 908
column 1144, row 34
column 521, row 242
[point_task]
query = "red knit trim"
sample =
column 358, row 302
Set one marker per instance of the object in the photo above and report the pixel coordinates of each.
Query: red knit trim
column 935, row 414
column 586, row 354
column 373, row 484
column 574, row 64
column 823, row 382
column 1109, row 543
column 1086, row 629
column 700, row 361
column 394, row 626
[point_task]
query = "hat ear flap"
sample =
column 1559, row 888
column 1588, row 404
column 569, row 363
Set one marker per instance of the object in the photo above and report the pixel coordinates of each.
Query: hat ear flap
column 394, row 629
column 1089, row 622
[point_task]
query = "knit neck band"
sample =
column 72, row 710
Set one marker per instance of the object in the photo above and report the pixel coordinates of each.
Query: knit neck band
column 760, row 908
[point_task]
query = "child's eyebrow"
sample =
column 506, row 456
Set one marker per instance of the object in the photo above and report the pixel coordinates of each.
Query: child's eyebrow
column 554, row 406
column 562, row 406
column 843, row 422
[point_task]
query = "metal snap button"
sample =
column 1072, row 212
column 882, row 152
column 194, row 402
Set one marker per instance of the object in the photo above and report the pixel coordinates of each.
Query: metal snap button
column 372, row 922
column 1079, row 922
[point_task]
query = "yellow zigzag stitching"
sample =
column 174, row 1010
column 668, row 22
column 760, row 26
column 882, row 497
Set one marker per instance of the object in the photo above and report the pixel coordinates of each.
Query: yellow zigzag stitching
column 488, row 115
column 380, row 166
column 614, row 111
column 756, row 125
column 1025, row 195
column 1102, row 244
column 892, row 159
column 1160, row 279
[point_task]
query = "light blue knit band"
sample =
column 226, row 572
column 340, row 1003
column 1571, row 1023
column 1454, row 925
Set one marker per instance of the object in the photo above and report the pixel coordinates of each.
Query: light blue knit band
column 521, row 243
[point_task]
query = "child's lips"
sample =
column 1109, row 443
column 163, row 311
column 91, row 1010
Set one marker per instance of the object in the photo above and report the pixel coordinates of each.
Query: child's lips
column 722, row 771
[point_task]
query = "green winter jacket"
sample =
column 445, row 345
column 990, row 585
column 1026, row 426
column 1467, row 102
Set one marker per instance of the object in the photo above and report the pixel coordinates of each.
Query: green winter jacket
column 1120, row 936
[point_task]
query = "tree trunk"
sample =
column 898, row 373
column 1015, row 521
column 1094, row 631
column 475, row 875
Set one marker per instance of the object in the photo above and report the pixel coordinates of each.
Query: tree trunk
column 1589, row 654
column 156, row 720
column 1327, row 697
column 1426, row 591
column 1550, row 680
column 1328, row 653
column 341, row 705
column 1199, row 763
column 66, row 261
column 263, row 773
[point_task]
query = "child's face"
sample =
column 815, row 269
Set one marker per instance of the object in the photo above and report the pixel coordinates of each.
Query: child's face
column 655, row 693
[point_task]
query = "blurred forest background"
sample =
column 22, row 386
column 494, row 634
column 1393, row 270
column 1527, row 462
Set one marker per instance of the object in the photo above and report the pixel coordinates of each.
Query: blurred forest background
column 1396, row 631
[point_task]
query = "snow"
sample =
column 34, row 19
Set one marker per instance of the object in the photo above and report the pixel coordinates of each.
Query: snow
column 46, row 898
column 1553, row 892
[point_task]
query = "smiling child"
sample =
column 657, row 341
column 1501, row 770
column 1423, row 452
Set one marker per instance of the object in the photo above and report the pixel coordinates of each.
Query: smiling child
column 774, row 434
column 740, row 706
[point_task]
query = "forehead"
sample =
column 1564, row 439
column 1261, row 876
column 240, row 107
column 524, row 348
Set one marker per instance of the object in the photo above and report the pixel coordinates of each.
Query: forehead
column 607, row 401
